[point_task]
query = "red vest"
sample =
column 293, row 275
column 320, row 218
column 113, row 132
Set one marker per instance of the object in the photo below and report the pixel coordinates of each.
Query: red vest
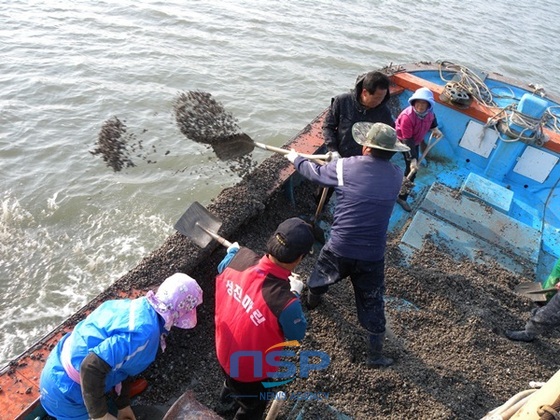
column 250, row 295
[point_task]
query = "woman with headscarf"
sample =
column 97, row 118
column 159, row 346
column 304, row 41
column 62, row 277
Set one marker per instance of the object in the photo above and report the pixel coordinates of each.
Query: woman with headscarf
column 412, row 125
column 118, row 340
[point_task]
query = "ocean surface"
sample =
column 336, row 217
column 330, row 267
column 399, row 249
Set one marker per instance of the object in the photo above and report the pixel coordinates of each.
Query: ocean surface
column 70, row 225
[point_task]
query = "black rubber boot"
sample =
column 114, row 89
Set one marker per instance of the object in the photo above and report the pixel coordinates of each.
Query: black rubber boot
column 405, row 206
column 376, row 358
column 227, row 401
column 313, row 300
column 521, row 335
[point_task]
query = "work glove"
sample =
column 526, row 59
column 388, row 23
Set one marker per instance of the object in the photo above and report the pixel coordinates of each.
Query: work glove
column 292, row 156
column 126, row 413
column 335, row 155
column 233, row 247
column 413, row 165
column 296, row 285
column 436, row 132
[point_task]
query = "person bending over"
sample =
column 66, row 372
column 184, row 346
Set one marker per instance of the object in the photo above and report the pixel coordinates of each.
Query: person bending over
column 116, row 341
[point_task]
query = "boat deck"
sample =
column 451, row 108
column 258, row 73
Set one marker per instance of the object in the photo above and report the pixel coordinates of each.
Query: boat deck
column 508, row 187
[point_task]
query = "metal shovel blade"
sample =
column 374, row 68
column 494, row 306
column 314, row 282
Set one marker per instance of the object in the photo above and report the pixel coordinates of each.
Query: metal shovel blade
column 187, row 407
column 195, row 223
column 533, row 290
column 233, row 147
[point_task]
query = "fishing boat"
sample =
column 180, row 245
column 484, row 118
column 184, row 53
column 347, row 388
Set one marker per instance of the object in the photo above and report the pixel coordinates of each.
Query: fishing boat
column 489, row 192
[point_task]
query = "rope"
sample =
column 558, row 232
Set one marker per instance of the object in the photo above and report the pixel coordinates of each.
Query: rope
column 518, row 400
column 465, row 84
column 552, row 118
column 468, row 81
column 531, row 128
column 547, row 412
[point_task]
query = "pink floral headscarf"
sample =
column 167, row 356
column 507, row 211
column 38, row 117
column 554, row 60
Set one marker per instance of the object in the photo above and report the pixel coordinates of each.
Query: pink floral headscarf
column 176, row 301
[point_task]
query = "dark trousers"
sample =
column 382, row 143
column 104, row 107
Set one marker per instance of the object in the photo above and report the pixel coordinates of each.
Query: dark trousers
column 408, row 156
column 545, row 318
column 248, row 396
column 368, row 281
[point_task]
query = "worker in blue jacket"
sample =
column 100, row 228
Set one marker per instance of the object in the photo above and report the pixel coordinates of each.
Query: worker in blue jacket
column 366, row 190
column 116, row 341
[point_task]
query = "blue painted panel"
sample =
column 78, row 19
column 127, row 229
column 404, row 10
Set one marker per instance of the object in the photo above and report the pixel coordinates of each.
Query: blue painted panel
column 450, row 164
column 503, row 159
column 551, row 240
column 491, row 193
column 482, row 221
column 459, row 243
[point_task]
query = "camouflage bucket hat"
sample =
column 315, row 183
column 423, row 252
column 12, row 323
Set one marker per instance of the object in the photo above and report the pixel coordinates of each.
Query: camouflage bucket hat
column 378, row 136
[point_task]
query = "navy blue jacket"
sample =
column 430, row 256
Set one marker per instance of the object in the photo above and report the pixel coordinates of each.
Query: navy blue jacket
column 366, row 191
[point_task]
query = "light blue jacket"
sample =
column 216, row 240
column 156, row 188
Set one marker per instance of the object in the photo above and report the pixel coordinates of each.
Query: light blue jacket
column 124, row 333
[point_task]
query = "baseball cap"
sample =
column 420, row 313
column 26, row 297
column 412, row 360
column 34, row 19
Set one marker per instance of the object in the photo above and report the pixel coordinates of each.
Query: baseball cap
column 292, row 238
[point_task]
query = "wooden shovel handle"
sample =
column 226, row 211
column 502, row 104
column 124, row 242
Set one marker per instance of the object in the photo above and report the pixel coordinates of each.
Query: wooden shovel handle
column 221, row 240
column 285, row 152
column 321, row 203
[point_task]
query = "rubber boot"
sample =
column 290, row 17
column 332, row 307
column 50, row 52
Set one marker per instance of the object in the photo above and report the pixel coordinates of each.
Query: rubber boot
column 227, row 401
column 521, row 335
column 313, row 300
column 405, row 206
column 225, row 395
column 376, row 358
column 137, row 386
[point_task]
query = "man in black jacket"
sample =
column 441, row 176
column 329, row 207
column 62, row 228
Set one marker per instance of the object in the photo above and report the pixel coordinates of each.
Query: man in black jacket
column 366, row 102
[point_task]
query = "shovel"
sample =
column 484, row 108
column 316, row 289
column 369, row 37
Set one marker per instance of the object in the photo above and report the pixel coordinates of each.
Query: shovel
column 408, row 184
column 317, row 231
column 203, row 119
column 534, row 291
column 239, row 145
column 200, row 226
column 187, row 407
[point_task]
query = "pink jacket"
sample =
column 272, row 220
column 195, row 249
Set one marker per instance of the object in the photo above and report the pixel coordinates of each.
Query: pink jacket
column 410, row 126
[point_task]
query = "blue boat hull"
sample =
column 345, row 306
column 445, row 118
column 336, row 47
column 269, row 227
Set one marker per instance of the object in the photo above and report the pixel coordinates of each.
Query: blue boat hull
column 483, row 194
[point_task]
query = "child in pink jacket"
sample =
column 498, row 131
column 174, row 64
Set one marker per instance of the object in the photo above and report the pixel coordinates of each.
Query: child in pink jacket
column 412, row 125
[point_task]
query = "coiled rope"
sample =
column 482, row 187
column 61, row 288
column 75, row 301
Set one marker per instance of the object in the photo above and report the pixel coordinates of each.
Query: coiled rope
column 467, row 81
column 531, row 129
column 552, row 118
column 466, row 84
